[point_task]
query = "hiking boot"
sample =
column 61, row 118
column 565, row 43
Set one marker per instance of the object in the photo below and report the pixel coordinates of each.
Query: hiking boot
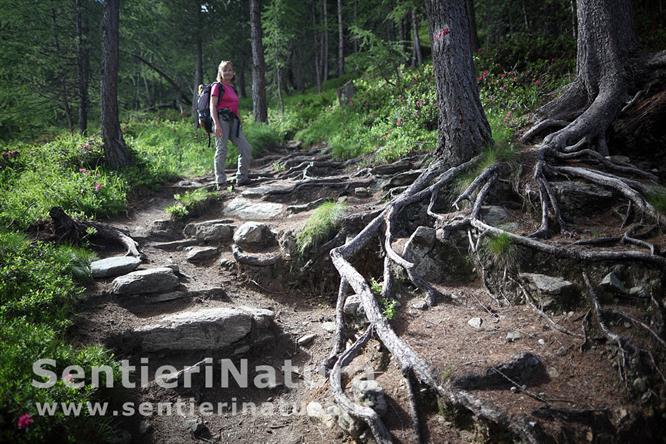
column 243, row 181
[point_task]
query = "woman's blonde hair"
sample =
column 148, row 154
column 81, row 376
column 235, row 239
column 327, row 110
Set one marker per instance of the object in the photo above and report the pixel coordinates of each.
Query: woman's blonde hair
column 224, row 63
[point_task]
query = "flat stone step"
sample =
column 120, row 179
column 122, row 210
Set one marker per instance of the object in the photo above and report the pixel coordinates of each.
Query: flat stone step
column 154, row 280
column 252, row 210
column 114, row 266
column 203, row 329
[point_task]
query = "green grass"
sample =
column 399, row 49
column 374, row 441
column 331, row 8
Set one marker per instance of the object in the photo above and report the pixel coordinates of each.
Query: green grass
column 319, row 226
column 190, row 202
column 501, row 247
column 389, row 307
column 37, row 290
column 657, row 198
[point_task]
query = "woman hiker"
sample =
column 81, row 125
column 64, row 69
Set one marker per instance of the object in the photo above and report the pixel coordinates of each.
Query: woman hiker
column 227, row 125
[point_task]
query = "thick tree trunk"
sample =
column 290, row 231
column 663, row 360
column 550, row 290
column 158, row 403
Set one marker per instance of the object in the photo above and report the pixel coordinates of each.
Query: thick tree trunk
column 82, row 64
column 116, row 152
column 606, row 41
column 259, row 104
column 316, row 49
column 198, row 79
column 417, row 58
column 241, row 78
column 341, row 42
column 463, row 127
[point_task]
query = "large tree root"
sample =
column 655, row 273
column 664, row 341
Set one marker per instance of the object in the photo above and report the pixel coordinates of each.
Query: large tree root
column 74, row 231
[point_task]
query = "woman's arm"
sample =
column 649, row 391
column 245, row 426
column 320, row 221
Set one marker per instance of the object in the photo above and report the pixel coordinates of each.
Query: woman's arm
column 213, row 110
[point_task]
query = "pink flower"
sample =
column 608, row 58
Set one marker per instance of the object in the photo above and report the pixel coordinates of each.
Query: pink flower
column 67, row 377
column 398, row 122
column 24, row 421
column 98, row 186
column 83, row 170
column 537, row 82
column 483, row 75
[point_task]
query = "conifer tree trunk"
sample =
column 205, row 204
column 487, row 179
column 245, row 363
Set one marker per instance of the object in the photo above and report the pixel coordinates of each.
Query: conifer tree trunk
column 341, row 42
column 259, row 104
column 198, row 77
column 316, row 48
column 474, row 36
column 116, row 153
column 324, row 43
column 417, row 58
column 241, row 77
column 463, row 127
column 82, row 64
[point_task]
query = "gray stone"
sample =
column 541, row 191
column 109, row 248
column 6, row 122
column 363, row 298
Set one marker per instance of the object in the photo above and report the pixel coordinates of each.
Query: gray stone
column 154, row 280
column 361, row 192
column 638, row 291
column 551, row 291
column 114, row 266
column 353, row 306
column 196, row 426
column 475, row 322
column 369, row 393
column 220, row 230
column 293, row 144
column 328, row 327
column 494, row 215
column 580, row 199
column 552, row 372
column 317, row 411
column 306, row 340
column 208, row 328
column 640, row 384
column 254, row 234
column 613, row 283
column 420, row 305
column 166, row 297
column 513, row 336
column 196, row 254
column 250, row 210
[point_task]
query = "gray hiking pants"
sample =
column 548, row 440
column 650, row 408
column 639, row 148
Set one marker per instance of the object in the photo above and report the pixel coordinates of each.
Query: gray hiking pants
column 244, row 152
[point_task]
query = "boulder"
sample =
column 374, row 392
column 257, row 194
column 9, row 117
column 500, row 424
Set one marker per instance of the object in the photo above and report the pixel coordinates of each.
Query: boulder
column 196, row 254
column 581, row 199
column 612, row 283
column 436, row 260
column 552, row 292
column 253, row 235
column 220, row 230
column 154, row 280
column 204, row 329
column 114, row 266
column 494, row 215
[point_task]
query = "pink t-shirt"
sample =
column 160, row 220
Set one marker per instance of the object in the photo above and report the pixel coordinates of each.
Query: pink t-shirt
column 229, row 98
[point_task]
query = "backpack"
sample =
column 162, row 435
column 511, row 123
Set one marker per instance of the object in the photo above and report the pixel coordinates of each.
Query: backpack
column 205, row 120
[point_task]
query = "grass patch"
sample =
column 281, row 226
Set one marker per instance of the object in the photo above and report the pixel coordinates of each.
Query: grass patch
column 501, row 248
column 37, row 289
column 190, row 203
column 319, row 226
column 657, row 199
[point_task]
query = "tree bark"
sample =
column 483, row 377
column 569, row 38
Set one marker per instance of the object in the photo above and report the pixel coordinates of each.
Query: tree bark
column 198, row 77
column 64, row 98
column 473, row 35
column 463, row 127
column 417, row 58
column 259, row 104
column 324, row 43
column 341, row 42
column 116, row 152
column 316, row 49
column 82, row 65
column 606, row 41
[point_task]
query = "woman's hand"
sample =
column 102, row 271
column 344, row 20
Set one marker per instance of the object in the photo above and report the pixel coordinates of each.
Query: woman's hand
column 218, row 131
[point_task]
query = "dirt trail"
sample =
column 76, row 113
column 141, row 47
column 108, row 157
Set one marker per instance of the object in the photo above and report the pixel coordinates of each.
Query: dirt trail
column 444, row 335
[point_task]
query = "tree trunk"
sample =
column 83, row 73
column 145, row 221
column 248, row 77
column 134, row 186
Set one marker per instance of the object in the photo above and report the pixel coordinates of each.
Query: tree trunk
column 316, row 49
column 259, row 104
column 324, row 43
column 64, row 90
column 417, row 58
column 574, row 23
column 82, row 64
column 341, row 42
column 463, row 128
column 473, row 35
column 183, row 95
column 116, row 152
column 241, row 78
column 606, row 41
column 198, row 78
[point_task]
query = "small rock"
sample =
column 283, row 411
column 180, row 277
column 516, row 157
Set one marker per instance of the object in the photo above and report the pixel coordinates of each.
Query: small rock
column 613, row 282
column 637, row 291
column 254, row 234
column 640, row 385
column 196, row 426
column 494, row 215
column 475, row 322
column 513, row 389
column 114, row 266
column 361, row 192
column 328, row 327
column 626, row 324
column 353, row 306
column 315, row 410
column 513, row 336
column 371, row 394
column 306, row 340
column 541, row 342
column 420, row 305
column 552, row 372
column 219, row 230
column 196, row 254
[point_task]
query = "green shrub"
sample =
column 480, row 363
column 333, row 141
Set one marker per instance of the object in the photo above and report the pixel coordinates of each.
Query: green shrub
column 389, row 307
column 190, row 203
column 319, row 226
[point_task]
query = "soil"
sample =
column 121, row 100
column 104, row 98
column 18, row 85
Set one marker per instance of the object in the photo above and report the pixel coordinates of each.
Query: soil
column 577, row 380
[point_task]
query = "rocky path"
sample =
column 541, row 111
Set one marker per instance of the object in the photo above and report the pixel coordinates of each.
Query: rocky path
column 226, row 285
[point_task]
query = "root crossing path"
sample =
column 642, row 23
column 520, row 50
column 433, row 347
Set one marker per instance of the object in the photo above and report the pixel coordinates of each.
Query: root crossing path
column 457, row 346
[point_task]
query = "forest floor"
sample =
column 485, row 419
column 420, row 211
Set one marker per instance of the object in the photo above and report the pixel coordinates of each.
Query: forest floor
column 567, row 379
